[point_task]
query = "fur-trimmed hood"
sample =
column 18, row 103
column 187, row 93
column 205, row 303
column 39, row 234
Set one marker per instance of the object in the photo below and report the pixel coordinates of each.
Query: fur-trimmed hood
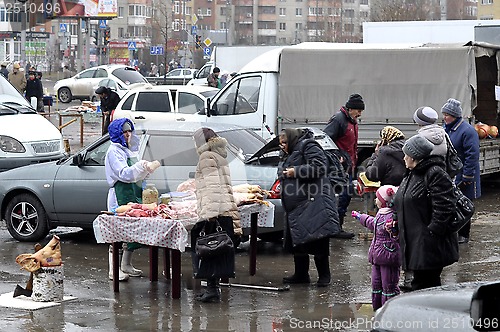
column 216, row 144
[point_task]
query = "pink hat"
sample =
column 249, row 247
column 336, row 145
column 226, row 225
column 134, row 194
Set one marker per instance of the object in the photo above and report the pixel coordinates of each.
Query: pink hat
column 385, row 194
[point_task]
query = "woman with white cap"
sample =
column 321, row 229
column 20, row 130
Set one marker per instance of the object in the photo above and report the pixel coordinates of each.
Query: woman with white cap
column 464, row 138
column 424, row 204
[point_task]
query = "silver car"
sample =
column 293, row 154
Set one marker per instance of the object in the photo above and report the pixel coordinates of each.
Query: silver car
column 72, row 192
column 81, row 86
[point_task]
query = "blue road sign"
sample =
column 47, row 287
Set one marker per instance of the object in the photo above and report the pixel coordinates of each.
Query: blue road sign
column 102, row 24
column 63, row 27
column 132, row 46
column 193, row 30
column 152, row 50
column 159, row 50
column 207, row 51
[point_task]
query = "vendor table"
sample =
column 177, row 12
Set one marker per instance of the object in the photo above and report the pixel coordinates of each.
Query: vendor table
column 173, row 237
column 154, row 232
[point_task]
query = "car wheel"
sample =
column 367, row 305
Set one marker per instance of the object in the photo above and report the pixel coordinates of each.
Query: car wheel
column 64, row 95
column 26, row 218
column 93, row 99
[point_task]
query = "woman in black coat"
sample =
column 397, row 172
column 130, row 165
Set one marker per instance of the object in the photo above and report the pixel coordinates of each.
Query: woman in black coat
column 386, row 164
column 309, row 201
column 425, row 205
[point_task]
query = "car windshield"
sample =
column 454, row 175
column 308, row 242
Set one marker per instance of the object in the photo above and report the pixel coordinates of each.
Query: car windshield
column 129, row 75
column 13, row 107
column 10, row 95
column 245, row 141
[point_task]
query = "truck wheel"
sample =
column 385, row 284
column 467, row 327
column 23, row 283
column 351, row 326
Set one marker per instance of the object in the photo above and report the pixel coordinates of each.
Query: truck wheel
column 26, row 218
column 64, row 95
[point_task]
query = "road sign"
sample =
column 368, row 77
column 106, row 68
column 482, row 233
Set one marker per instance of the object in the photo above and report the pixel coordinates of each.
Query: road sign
column 102, row 24
column 156, row 50
column 132, row 46
column 63, row 27
column 193, row 30
column 208, row 42
column 194, row 19
column 207, row 51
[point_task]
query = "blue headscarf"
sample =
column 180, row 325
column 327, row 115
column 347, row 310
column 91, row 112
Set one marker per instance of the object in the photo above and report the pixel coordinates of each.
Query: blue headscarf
column 115, row 130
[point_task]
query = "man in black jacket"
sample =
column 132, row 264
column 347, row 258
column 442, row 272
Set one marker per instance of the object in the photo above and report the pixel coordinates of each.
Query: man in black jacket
column 109, row 101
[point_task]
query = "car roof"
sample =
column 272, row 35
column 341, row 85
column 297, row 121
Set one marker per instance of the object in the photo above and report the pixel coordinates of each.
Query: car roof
column 187, row 88
column 188, row 127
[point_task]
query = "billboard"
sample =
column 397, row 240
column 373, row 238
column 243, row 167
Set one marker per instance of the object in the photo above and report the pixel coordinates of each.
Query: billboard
column 81, row 8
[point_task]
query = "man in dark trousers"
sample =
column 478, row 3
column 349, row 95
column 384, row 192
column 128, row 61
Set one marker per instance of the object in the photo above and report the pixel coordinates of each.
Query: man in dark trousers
column 34, row 89
column 343, row 129
column 109, row 101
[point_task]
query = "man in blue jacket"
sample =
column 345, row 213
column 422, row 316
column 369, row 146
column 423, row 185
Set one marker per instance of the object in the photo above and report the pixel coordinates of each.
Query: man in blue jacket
column 466, row 141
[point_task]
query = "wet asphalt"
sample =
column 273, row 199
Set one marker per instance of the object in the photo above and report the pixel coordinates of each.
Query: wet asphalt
column 142, row 305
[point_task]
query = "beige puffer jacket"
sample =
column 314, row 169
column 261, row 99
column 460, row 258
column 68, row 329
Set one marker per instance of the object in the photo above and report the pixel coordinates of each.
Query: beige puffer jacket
column 214, row 192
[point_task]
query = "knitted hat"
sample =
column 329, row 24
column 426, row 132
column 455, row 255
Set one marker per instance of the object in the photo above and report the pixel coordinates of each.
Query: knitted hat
column 126, row 127
column 202, row 135
column 385, row 194
column 355, row 102
column 417, row 147
column 425, row 115
column 453, row 108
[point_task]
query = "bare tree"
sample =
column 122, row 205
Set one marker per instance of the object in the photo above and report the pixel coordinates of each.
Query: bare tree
column 162, row 29
column 404, row 10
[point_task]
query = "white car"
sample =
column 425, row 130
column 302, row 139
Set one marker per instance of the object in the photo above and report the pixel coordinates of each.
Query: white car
column 179, row 76
column 158, row 103
column 81, row 86
column 120, row 89
column 25, row 136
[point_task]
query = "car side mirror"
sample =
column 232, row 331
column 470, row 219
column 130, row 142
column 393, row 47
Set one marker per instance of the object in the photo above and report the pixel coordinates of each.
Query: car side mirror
column 77, row 160
column 484, row 312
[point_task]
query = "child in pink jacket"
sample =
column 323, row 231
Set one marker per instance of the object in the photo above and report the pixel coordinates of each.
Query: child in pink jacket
column 384, row 252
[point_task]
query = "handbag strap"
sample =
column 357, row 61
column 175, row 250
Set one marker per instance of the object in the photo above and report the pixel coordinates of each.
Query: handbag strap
column 218, row 227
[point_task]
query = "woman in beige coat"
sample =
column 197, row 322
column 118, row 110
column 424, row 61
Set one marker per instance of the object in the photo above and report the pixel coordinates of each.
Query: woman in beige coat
column 214, row 194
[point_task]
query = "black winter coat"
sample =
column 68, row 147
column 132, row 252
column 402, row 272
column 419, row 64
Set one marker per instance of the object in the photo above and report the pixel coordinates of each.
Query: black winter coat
column 308, row 198
column 387, row 166
column 34, row 88
column 425, row 206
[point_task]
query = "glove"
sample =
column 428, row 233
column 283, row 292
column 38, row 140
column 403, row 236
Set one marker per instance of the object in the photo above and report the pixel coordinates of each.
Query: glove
column 356, row 214
column 151, row 166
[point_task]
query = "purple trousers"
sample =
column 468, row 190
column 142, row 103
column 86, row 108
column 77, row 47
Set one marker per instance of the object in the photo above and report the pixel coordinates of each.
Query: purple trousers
column 385, row 279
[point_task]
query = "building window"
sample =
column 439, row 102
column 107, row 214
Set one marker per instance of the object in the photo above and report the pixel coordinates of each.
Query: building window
column 282, row 26
column 120, row 11
column 298, row 26
column 282, row 11
column 209, row 12
column 177, row 7
column 486, row 2
column 363, row 2
column 223, row 25
column 176, row 25
column 349, row 13
column 315, row 11
column 298, row 11
column 121, row 33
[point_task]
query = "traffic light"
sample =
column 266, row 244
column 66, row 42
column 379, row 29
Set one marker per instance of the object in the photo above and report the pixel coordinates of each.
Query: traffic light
column 95, row 34
column 198, row 41
column 104, row 50
column 107, row 35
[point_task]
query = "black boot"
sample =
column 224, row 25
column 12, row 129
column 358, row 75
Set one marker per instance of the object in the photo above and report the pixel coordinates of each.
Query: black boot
column 323, row 266
column 212, row 293
column 301, row 275
column 343, row 234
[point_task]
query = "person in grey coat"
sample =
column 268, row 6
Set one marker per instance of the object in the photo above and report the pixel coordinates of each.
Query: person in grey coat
column 425, row 205
column 310, row 205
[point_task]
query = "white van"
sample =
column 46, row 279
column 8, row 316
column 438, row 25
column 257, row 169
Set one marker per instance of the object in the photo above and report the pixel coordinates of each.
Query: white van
column 26, row 137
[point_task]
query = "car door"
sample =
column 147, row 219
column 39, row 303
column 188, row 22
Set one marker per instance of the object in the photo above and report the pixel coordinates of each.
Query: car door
column 84, row 82
column 188, row 103
column 80, row 191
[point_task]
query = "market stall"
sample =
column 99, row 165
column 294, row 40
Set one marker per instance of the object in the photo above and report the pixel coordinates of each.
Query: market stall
column 171, row 234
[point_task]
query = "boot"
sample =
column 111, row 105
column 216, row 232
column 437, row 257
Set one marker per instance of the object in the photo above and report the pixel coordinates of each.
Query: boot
column 301, row 275
column 405, row 286
column 212, row 293
column 323, row 266
column 343, row 234
column 121, row 275
column 126, row 265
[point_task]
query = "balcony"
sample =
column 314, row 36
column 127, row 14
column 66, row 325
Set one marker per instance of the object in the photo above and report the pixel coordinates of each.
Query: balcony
column 266, row 32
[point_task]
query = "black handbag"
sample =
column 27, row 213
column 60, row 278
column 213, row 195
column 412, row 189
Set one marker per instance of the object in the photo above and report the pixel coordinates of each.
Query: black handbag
column 463, row 212
column 214, row 255
column 214, row 244
column 453, row 162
